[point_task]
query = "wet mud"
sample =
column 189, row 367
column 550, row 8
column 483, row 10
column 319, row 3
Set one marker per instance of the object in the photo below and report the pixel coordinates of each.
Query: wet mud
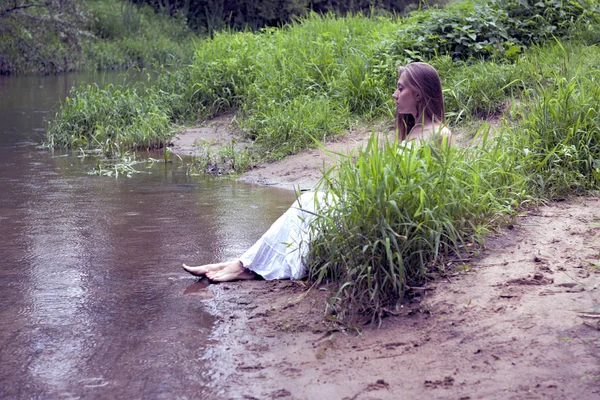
column 518, row 321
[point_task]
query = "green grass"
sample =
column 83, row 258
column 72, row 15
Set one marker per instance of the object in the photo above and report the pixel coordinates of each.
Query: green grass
column 404, row 213
column 562, row 127
column 316, row 77
column 95, row 118
column 310, row 79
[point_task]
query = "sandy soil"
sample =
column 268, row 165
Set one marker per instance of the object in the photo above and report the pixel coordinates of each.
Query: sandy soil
column 301, row 170
column 519, row 321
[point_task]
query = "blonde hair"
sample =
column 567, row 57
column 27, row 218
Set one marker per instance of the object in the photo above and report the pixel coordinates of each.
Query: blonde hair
column 423, row 79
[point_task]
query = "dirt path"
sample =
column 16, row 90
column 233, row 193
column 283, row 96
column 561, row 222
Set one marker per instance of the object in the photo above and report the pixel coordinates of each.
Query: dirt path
column 519, row 322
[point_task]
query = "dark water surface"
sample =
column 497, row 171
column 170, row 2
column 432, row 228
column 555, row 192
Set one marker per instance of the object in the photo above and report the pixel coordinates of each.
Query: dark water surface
column 94, row 303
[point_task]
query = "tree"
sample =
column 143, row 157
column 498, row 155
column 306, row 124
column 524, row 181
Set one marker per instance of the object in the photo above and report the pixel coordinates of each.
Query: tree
column 41, row 32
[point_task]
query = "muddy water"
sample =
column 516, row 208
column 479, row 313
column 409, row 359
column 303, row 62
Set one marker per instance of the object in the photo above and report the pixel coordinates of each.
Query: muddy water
column 93, row 301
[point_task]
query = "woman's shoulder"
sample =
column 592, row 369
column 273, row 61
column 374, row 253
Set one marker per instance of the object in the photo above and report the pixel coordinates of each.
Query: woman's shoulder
column 433, row 133
column 438, row 130
column 443, row 130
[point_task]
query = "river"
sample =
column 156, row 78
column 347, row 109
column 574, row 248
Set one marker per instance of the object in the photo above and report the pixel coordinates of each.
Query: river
column 94, row 301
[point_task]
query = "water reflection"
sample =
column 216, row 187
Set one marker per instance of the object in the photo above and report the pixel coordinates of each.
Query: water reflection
column 94, row 302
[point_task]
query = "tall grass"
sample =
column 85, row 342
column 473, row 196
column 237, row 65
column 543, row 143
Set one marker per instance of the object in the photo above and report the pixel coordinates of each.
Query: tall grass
column 293, row 83
column 402, row 211
column 98, row 118
column 310, row 79
column 562, row 127
column 316, row 77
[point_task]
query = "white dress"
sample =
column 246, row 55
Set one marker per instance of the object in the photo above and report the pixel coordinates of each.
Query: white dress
column 280, row 252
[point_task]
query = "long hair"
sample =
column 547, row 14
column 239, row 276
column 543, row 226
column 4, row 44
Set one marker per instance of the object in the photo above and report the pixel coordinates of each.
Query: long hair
column 424, row 80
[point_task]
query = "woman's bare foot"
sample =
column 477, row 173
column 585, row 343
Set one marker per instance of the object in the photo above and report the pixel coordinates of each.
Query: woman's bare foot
column 203, row 269
column 231, row 272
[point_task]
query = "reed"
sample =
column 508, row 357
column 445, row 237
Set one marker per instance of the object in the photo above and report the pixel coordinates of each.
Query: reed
column 404, row 210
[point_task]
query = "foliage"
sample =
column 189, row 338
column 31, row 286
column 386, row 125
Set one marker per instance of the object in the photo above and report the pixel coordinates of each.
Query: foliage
column 126, row 35
column 479, row 30
column 58, row 36
column 562, row 126
column 114, row 119
column 315, row 77
column 402, row 210
column 289, row 85
column 40, row 36
column 208, row 16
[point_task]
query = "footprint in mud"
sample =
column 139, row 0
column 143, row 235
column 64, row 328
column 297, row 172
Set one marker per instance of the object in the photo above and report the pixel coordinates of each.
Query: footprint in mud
column 199, row 289
column 537, row 279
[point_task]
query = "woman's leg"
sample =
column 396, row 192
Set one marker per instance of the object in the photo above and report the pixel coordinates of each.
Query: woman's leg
column 221, row 272
column 276, row 255
column 203, row 269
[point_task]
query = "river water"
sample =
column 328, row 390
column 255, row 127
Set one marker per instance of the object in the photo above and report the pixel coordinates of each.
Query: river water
column 94, row 303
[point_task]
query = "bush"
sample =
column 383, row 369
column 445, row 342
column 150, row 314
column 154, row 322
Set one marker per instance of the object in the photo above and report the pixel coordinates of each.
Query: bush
column 563, row 130
column 480, row 30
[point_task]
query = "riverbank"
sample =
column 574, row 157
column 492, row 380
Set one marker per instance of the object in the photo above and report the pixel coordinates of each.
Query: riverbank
column 518, row 321
column 302, row 170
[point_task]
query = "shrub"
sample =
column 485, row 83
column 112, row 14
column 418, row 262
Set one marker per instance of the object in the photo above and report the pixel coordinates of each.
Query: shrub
column 479, row 30
column 563, row 130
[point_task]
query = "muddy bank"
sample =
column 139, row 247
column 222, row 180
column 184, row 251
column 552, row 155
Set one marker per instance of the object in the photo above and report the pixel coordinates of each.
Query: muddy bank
column 302, row 170
column 519, row 321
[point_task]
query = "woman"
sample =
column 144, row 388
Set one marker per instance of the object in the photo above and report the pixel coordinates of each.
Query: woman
column 280, row 252
column 420, row 105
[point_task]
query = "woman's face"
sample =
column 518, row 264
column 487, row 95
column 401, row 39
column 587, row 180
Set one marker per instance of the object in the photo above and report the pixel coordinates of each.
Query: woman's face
column 406, row 99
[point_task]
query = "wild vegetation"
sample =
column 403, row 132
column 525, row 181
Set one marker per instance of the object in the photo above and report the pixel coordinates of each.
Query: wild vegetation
column 403, row 212
column 58, row 36
column 311, row 79
column 42, row 36
column 208, row 16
